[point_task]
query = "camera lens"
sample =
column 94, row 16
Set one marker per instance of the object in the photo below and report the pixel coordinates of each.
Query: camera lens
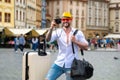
column 57, row 21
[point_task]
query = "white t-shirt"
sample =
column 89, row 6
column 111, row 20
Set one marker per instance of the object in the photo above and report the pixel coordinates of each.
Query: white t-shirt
column 34, row 40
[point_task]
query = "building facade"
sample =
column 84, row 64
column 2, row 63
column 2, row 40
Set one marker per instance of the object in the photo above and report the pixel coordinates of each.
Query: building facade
column 31, row 14
column 114, row 16
column 97, row 18
column 38, row 13
column 76, row 7
column 20, row 13
column 7, row 13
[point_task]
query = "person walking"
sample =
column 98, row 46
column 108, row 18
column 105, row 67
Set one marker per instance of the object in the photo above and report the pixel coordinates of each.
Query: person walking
column 16, row 43
column 64, row 37
column 21, row 42
column 118, row 45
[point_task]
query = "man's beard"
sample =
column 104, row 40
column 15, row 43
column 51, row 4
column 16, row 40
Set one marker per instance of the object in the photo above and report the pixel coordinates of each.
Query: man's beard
column 66, row 24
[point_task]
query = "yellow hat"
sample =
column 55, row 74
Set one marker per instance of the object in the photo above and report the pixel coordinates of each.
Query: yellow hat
column 67, row 14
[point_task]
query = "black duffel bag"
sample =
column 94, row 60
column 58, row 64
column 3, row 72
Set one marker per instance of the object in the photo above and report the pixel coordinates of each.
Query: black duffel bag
column 81, row 68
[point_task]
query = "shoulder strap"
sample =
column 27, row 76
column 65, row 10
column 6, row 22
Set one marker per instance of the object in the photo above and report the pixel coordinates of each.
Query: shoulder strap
column 82, row 53
column 72, row 42
column 75, row 32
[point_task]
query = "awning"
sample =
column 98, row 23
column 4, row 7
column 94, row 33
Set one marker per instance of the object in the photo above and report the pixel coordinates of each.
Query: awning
column 37, row 32
column 15, row 32
column 112, row 36
column 1, row 29
column 41, row 31
column 34, row 33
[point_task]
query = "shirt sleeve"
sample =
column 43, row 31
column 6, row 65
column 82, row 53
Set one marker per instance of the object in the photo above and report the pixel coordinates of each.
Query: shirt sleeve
column 53, row 36
column 56, row 34
column 81, row 37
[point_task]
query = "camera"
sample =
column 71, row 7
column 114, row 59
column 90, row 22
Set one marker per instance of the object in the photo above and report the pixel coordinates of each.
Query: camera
column 57, row 21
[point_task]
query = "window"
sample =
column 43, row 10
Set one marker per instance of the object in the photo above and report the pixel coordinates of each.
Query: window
column 95, row 21
column 77, row 3
column 71, row 2
column 7, row 17
column 89, row 20
column 0, row 16
column 104, row 22
column 89, row 12
column 48, row 3
column 82, row 23
column 7, row 1
column 76, row 23
column 77, row 12
column 99, row 22
column 23, row 16
column 82, row 12
column 20, row 15
column 23, row 1
column 16, row 14
column 117, row 26
column 71, row 11
column 83, row 4
column 57, row 12
column 117, row 14
column 57, row 2
column 20, row 1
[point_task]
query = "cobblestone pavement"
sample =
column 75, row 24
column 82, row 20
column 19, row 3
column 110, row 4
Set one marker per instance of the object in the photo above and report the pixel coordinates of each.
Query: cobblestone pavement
column 107, row 66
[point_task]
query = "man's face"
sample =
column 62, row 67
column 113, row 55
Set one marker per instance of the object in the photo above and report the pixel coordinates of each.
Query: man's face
column 66, row 22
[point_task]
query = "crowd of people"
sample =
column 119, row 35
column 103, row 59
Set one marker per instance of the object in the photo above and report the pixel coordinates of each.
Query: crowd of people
column 19, row 42
column 95, row 43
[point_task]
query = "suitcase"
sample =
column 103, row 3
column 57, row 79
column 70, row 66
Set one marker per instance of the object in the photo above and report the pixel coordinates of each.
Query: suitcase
column 36, row 64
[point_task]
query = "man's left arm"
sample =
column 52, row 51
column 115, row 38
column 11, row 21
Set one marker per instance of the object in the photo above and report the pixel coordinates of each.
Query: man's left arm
column 81, row 41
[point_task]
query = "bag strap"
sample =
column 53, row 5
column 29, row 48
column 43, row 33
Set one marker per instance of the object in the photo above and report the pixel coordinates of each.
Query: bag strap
column 72, row 42
column 82, row 53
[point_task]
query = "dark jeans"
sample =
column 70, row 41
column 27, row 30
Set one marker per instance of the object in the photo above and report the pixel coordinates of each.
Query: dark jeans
column 21, row 47
column 34, row 46
column 16, row 47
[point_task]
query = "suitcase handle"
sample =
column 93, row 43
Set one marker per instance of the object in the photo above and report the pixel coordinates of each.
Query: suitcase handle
column 42, row 45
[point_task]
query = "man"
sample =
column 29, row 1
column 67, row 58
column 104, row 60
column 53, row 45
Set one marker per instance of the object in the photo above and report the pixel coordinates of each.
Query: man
column 16, row 43
column 64, row 37
column 21, row 42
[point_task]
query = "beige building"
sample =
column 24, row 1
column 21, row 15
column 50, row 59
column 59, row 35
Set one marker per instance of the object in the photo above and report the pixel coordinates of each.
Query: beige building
column 31, row 13
column 20, row 14
column 6, row 13
column 97, row 18
column 77, row 8
column 114, row 16
column 38, row 13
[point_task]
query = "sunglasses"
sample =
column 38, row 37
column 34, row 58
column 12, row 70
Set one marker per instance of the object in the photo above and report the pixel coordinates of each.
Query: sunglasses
column 66, row 19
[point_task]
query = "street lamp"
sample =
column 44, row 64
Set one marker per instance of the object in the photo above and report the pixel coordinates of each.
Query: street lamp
column 43, row 14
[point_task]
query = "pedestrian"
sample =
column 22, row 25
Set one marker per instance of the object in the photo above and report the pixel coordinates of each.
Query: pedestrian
column 64, row 37
column 16, row 43
column 52, row 46
column 21, row 42
column 118, row 45
column 34, row 43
